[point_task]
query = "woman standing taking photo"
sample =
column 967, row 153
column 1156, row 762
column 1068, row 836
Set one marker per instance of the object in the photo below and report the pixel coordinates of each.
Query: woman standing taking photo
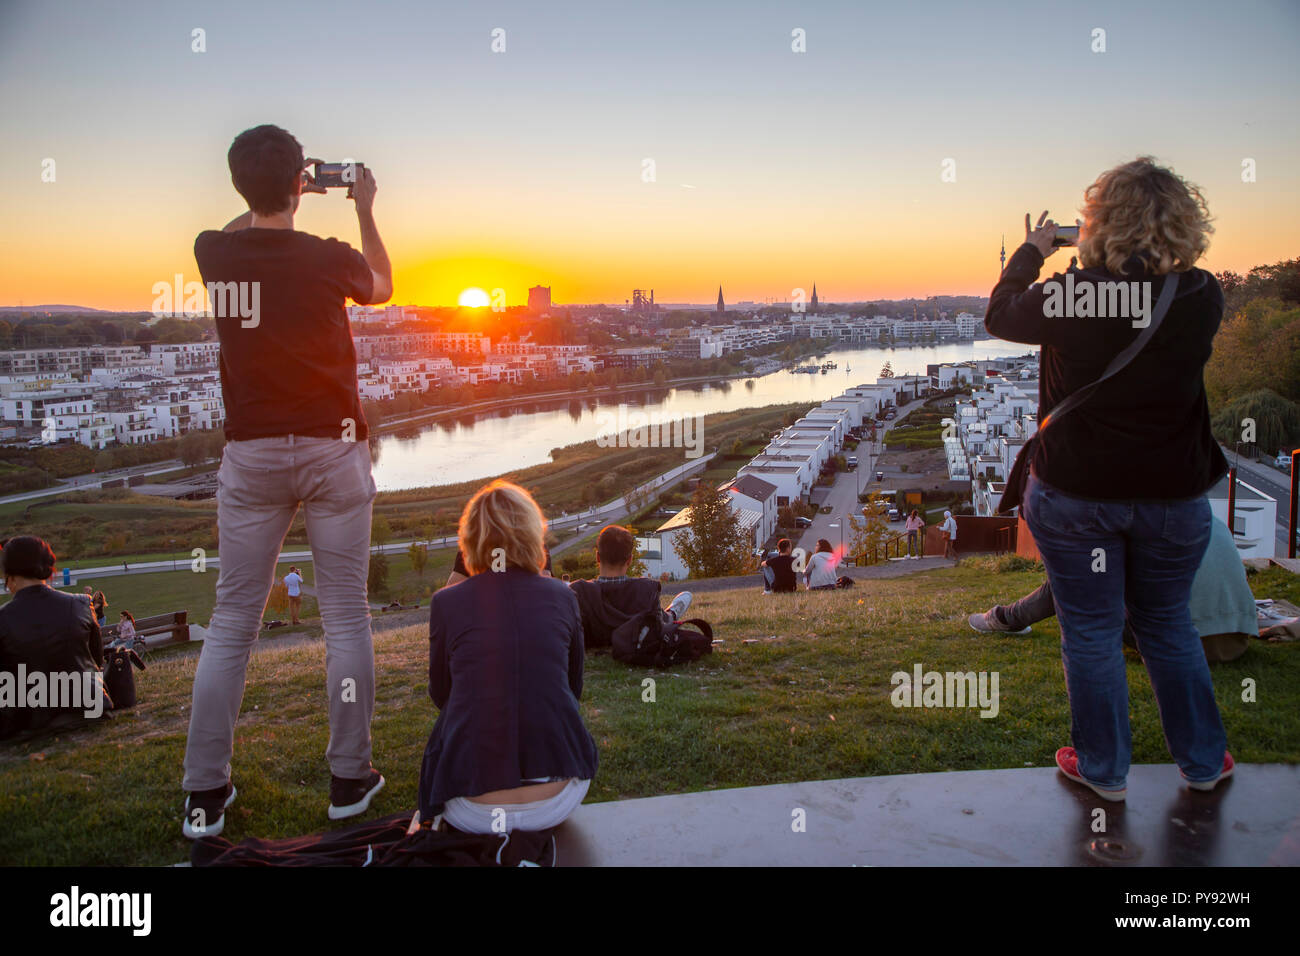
column 505, row 671
column 1115, row 497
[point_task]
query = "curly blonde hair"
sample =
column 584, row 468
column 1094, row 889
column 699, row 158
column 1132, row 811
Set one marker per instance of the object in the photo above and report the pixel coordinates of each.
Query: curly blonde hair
column 1142, row 207
column 503, row 516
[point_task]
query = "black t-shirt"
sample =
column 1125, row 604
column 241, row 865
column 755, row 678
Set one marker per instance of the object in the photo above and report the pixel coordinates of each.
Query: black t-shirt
column 295, row 371
column 783, row 577
column 460, row 567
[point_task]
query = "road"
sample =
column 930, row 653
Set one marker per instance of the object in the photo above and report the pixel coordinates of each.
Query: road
column 843, row 498
column 1273, row 482
column 602, row 514
column 84, row 482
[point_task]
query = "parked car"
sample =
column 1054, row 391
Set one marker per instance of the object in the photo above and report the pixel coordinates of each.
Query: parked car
column 802, row 522
column 1284, row 460
column 880, row 476
column 852, row 462
column 895, row 514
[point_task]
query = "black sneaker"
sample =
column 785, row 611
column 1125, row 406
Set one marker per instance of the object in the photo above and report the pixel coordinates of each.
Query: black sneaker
column 350, row 797
column 205, row 811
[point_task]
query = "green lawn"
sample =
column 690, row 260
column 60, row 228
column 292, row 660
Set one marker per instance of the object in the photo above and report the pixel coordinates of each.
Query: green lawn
column 810, row 699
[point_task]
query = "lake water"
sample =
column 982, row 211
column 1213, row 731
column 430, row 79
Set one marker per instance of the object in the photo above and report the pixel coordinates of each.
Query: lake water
column 492, row 443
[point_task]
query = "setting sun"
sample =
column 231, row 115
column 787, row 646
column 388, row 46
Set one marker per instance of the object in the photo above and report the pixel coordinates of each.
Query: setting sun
column 473, row 298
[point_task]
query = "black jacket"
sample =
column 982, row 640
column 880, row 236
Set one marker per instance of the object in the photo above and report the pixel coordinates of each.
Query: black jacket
column 505, row 671
column 607, row 604
column 1145, row 433
column 50, row 632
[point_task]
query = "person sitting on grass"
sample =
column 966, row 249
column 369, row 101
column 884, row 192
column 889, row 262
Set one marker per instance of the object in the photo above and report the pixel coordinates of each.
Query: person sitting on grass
column 509, row 749
column 613, row 597
column 820, row 573
column 778, row 570
column 1222, row 605
column 44, row 631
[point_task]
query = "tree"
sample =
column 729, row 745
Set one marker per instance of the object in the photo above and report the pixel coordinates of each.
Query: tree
column 887, row 370
column 193, row 448
column 715, row 545
column 104, row 461
column 868, row 533
column 1263, row 327
column 377, row 576
column 419, row 557
column 1277, row 421
column 381, row 532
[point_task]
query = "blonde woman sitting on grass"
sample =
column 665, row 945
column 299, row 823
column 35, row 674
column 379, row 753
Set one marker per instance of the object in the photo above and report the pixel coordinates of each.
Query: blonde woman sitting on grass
column 505, row 671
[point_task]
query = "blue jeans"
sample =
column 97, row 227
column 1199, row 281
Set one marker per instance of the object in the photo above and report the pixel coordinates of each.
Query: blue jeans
column 1152, row 551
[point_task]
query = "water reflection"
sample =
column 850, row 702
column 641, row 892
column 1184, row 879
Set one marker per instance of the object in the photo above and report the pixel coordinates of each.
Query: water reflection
column 481, row 445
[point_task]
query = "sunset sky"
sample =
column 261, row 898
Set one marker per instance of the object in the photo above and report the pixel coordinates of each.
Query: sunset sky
column 774, row 169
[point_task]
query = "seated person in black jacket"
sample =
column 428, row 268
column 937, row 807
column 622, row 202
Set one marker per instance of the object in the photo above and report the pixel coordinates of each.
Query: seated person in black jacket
column 46, row 632
column 613, row 597
column 778, row 570
column 509, row 750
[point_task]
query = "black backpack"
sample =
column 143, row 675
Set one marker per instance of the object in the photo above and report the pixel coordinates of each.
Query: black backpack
column 119, row 678
column 648, row 640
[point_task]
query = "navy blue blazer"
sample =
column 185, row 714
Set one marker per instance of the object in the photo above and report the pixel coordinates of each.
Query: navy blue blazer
column 505, row 671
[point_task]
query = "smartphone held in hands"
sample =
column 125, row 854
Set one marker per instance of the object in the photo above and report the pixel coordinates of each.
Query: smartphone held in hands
column 335, row 175
column 1066, row 236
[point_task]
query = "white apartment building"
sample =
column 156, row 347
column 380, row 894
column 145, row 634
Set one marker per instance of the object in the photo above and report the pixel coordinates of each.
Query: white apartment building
column 1254, row 524
column 181, row 357
column 132, row 428
column 76, row 421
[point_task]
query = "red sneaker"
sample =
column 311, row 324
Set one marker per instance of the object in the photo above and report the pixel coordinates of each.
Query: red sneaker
column 1211, row 784
column 1067, row 761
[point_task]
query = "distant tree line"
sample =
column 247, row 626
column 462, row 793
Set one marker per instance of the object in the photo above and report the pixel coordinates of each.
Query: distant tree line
column 1254, row 371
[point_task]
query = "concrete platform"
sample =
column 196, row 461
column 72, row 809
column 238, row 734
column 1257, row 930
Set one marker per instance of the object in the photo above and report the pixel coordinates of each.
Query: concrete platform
column 1030, row 817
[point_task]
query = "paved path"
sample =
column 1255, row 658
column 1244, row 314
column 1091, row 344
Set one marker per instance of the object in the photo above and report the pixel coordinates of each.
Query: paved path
column 88, row 482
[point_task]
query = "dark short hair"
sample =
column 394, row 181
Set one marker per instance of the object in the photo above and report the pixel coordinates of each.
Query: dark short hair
column 783, row 545
column 265, row 162
column 28, row 556
column 615, row 545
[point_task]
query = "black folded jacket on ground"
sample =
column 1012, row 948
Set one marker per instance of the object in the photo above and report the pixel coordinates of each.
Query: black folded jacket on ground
column 384, row 843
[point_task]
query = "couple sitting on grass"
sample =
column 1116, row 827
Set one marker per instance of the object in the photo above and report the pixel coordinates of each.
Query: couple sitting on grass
column 781, row 575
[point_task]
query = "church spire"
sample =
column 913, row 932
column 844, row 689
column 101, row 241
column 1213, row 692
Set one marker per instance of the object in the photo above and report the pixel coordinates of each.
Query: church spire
column 722, row 306
column 814, row 297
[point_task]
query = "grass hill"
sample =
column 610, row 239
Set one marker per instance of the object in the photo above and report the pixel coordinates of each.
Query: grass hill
column 799, row 690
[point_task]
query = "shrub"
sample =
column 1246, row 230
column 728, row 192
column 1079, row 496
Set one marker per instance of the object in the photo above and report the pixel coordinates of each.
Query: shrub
column 377, row 575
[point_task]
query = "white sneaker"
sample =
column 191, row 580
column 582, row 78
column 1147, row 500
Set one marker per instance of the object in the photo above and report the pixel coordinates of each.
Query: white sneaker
column 678, row 607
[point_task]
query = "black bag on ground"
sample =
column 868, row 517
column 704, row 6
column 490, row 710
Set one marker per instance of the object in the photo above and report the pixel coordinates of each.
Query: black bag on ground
column 844, row 581
column 386, row 842
column 648, row 640
column 119, row 678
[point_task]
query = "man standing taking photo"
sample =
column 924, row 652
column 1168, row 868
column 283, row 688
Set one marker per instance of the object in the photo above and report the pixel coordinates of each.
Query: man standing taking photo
column 296, row 437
